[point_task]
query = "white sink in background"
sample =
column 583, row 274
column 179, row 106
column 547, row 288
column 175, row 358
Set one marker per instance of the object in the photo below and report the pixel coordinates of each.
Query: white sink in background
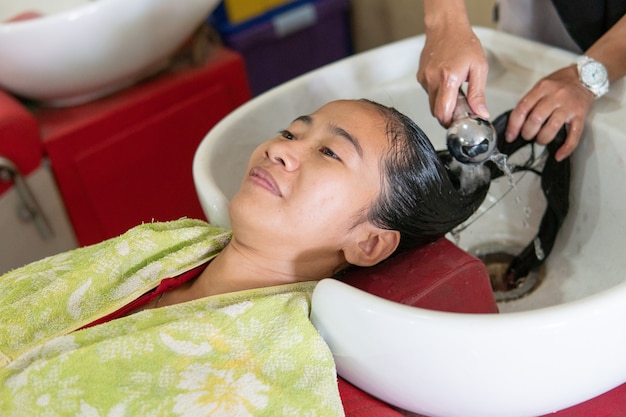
column 79, row 50
column 558, row 346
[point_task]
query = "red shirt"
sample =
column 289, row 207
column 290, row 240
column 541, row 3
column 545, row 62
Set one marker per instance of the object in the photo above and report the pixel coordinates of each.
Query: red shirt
column 166, row 285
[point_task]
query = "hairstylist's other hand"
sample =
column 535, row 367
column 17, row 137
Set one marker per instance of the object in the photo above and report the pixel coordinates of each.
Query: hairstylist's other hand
column 556, row 100
column 452, row 55
column 559, row 99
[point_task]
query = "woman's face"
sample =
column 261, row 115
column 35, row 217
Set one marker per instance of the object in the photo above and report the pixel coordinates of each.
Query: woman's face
column 310, row 185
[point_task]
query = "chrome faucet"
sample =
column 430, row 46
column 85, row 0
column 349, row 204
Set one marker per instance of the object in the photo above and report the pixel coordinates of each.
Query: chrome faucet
column 470, row 138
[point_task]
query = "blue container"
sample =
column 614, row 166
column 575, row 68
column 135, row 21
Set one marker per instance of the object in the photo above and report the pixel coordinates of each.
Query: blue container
column 288, row 41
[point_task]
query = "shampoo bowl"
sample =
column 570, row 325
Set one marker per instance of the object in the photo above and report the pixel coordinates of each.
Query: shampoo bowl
column 65, row 52
column 560, row 345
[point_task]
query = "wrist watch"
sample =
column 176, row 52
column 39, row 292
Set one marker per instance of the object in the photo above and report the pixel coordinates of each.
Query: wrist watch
column 593, row 75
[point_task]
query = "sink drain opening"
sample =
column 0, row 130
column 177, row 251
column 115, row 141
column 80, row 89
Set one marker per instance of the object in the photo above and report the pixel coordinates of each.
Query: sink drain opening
column 497, row 258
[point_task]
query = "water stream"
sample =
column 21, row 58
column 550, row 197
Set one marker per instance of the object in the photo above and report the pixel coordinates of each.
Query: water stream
column 472, row 176
column 501, row 161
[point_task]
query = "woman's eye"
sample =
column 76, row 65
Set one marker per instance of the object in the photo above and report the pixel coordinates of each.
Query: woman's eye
column 287, row 134
column 329, row 152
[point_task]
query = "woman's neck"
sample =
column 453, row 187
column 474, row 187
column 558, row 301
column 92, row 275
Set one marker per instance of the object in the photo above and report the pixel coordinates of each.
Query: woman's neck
column 239, row 267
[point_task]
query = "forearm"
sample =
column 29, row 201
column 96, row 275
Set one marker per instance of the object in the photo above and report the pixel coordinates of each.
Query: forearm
column 610, row 49
column 441, row 15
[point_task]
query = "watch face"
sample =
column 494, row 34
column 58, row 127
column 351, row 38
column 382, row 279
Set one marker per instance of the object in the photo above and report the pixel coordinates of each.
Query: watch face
column 593, row 74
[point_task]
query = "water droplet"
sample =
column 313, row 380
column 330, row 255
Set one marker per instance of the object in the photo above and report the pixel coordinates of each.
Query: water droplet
column 500, row 160
column 527, row 211
column 539, row 253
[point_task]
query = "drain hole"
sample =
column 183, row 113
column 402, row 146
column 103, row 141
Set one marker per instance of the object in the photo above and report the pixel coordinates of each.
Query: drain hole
column 497, row 259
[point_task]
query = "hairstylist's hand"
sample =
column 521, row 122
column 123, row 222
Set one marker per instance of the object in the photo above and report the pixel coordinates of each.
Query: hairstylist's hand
column 556, row 100
column 452, row 55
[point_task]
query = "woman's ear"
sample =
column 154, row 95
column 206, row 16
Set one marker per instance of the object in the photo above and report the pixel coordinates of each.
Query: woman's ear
column 373, row 246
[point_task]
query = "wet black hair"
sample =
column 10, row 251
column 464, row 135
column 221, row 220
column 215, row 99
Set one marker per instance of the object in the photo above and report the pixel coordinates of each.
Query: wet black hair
column 419, row 198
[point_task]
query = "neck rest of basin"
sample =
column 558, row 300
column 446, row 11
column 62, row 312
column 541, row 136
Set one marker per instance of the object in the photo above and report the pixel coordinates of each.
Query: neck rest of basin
column 439, row 276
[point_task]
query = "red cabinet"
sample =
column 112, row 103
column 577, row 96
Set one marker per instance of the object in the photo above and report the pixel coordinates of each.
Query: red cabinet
column 127, row 158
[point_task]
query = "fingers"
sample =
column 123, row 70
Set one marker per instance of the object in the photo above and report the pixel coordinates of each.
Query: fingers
column 445, row 100
column 477, row 82
column 442, row 85
column 544, row 128
column 555, row 101
column 530, row 113
column 545, row 119
column 517, row 118
column 447, row 60
column 574, row 133
column 546, row 131
column 443, row 91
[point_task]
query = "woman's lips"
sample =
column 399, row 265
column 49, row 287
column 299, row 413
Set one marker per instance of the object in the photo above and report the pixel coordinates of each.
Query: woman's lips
column 262, row 177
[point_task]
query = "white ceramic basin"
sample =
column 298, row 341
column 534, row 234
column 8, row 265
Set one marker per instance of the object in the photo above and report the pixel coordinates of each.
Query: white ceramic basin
column 561, row 345
column 79, row 50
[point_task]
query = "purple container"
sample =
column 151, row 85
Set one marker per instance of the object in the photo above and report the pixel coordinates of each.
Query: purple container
column 296, row 41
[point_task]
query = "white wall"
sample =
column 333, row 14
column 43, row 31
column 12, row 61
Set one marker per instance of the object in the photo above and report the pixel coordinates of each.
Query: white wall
column 377, row 22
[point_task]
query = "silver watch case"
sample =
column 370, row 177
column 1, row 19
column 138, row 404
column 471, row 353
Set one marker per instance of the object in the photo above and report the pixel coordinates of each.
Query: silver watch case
column 593, row 75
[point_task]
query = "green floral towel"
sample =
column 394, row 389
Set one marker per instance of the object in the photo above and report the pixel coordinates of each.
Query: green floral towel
column 241, row 354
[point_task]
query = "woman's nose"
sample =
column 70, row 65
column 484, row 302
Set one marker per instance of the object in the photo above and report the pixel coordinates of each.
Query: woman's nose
column 285, row 154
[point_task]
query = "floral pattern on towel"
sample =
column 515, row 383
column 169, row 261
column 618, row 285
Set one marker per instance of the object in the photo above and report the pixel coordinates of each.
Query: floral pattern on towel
column 249, row 353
